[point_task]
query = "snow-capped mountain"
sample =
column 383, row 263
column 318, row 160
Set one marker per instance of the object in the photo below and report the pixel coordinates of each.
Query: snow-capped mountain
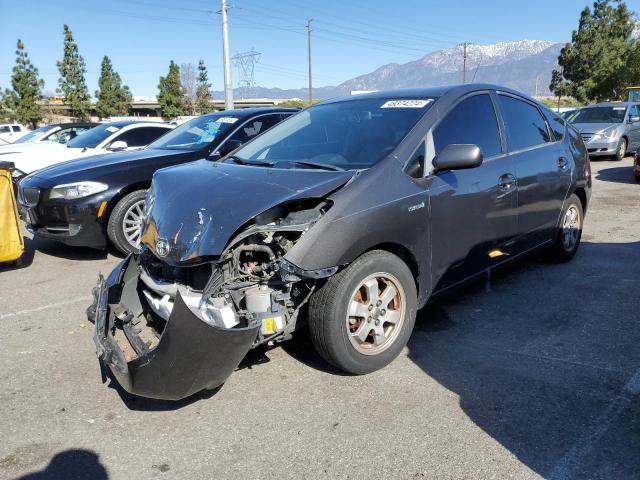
column 525, row 65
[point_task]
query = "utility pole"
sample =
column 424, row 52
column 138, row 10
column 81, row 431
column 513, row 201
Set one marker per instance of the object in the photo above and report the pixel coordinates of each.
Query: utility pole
column 464, row 60
column 228, row 86
column 309, row 59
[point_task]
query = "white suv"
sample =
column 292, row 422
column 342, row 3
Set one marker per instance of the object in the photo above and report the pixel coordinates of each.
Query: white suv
column 10, row 132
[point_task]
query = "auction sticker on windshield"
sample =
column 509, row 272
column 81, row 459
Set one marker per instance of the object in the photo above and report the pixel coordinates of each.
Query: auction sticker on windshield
column 406, row 103
column 226, row 120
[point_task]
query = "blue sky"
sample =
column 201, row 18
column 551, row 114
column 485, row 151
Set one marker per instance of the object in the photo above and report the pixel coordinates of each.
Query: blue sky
column 351, row 37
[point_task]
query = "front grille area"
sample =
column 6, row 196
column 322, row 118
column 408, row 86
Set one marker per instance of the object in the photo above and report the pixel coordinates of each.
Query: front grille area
column 586, row 137
column 28, row 196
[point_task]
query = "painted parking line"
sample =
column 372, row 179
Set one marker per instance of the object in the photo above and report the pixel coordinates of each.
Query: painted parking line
column 568, row 466
column 84, row 298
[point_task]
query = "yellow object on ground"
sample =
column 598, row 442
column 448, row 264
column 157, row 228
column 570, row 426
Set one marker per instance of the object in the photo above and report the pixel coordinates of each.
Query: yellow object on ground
column 11, row 241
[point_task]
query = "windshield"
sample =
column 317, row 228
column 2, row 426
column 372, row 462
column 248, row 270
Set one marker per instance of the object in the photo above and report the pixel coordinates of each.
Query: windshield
column 599, row 115
column 196, row 133
column 93, row 137
column 34, row 134
column 352, row 134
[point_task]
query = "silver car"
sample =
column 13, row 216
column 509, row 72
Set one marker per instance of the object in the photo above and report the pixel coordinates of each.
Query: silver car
column 609, row 129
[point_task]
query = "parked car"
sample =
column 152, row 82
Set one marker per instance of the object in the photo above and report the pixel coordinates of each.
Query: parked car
column 567, row 114
column 105, row 138
column 361, row 208
column 636, row 165
column 9, row 132
column 56, row 132
column 84, row 202
column 609, row 129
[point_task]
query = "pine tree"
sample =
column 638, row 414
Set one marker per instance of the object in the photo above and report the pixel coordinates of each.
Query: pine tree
column 4, row 115
column 113, row 98
column 170, row 94
column 596, row 61
column 72, row 82
column 26, row 90
column 203, row 91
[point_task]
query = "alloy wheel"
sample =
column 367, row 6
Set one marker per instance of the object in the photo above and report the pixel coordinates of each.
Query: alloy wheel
column 571, row 228
column 132, row 223
column 376, row 313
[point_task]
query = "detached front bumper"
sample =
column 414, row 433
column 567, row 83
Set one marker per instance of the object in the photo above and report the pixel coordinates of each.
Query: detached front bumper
column 190, row 356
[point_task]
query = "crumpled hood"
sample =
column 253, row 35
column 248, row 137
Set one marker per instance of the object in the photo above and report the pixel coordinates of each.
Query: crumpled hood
column 197, row 207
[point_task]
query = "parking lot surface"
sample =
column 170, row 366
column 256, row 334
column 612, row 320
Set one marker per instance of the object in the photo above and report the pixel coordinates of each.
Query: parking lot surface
column 533, row 374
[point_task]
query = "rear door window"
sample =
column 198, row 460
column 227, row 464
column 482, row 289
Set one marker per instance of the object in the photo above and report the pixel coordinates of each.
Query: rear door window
column 140, row 137
column 255, row 127
column 472, row 121
column 16, row 128
column 524, row 123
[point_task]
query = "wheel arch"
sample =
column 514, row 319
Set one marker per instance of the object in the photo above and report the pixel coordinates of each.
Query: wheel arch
column 581, row 193
column 120, row 195
column 408, row 258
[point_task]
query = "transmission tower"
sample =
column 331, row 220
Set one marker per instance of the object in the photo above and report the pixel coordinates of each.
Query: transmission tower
column 245, row 62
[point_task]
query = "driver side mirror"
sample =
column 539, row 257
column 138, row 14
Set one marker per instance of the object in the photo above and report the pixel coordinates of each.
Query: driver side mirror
column 634, row 118
column 118, row 146
column 458, row 157
column 227, row 147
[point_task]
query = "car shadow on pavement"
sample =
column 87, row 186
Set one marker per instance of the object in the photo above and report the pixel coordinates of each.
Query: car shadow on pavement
column 77, row 464
column 543, row 360
column 617, row 175
column 59, row 250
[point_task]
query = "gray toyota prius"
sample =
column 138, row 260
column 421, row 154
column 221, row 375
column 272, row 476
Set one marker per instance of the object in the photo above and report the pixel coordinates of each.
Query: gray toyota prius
column 348, row 217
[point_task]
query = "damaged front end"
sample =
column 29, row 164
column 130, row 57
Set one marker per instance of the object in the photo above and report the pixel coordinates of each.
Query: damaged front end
column 168, row 331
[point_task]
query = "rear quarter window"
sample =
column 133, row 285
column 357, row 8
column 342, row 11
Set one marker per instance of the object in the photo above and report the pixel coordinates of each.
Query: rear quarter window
column 524, row 123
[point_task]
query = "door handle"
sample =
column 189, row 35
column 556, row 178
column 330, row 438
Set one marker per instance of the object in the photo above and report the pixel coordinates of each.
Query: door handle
column 563, row 164
column 507, row 182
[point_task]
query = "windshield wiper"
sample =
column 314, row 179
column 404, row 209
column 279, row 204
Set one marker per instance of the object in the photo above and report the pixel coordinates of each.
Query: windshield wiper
column 323, row 166
column 246, row 161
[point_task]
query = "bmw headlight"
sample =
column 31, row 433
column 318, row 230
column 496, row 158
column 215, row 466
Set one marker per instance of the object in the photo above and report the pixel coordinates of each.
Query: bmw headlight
column 70, row 191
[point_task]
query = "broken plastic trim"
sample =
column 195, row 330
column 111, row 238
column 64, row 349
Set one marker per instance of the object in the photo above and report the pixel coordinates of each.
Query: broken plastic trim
column 190, row 356
column 292, row 273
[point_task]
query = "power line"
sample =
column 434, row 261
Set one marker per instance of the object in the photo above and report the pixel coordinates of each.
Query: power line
column 245, row 62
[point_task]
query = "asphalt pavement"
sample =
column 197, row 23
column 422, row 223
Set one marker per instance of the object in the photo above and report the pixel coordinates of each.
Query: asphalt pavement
column 533, row 374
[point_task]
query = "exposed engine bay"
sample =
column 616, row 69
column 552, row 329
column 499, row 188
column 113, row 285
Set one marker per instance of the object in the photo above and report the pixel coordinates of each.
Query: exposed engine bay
column 246, row 285
column 169, row 331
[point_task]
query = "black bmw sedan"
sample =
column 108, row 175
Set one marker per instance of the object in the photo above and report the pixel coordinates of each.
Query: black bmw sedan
column 360, row 211
column 84, row 202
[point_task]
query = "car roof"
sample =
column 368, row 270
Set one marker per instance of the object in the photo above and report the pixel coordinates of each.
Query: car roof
column 430, row 92
column 124, row 123
column 612, row 104
column 248, row 112
column 73, row 124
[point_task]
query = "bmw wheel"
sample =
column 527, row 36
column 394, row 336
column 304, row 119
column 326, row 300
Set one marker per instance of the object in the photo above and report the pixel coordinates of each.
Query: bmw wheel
column 362, row 318
column 124, row 228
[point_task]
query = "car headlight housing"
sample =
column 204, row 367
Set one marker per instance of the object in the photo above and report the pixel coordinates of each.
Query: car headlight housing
column 609, row 132
column 71, row 191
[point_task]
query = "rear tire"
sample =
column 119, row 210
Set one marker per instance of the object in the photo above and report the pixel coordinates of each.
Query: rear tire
column 122, row 222
column 362, row 317
column 570, row 233
column 622, row 150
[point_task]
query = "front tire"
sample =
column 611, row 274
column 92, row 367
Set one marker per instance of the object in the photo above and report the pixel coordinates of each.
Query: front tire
column 362, row 317
column 123, row 228
column 622, row 150
column 568, row 239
